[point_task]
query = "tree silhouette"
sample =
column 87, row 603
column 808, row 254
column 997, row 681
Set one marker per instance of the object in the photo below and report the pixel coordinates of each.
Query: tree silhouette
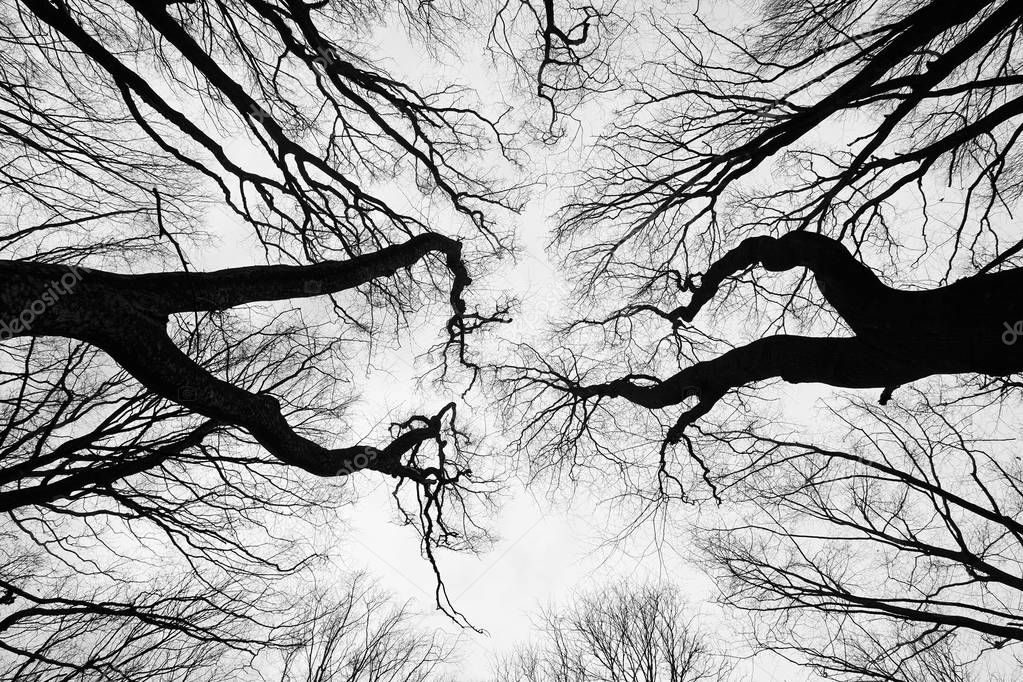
column 562, row 51
column 895, row 556
column 615, row 634
column 126, row 315
column 152, row 430
column 140, row 542
column 821, row 144
column 822, row 197
column 362, row 638
column 821, row 194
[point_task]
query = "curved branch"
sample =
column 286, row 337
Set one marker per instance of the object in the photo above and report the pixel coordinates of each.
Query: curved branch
column 126, row 316
column 901, row 336
column 845, row 282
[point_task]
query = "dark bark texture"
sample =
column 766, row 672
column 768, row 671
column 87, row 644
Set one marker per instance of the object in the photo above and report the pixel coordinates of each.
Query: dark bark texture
column 127, row 316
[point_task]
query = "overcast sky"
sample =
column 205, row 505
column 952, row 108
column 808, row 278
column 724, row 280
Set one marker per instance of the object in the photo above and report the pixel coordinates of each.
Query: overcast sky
column 552, row 544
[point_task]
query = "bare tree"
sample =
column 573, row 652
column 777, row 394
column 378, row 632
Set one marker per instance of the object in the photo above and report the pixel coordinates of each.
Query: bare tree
column 820, row 144
column 156, row 418
column 564, row 52
column 139, row 541
column 895, row 556
column 359, row 636
column 819, row 193
column 337, row 216
column 153, row 436
column 615, row 634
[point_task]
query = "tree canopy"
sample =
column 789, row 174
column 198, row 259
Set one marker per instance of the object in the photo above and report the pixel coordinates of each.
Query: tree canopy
column 748, row 198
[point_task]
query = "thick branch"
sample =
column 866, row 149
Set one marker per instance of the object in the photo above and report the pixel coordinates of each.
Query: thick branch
column 901, row 336
column 178, row 292
column 153, row 359
column 847, row 362
column 126, row 316
column 845, row 282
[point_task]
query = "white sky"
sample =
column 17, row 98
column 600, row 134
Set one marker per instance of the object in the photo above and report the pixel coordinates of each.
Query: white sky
column 548, row 548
